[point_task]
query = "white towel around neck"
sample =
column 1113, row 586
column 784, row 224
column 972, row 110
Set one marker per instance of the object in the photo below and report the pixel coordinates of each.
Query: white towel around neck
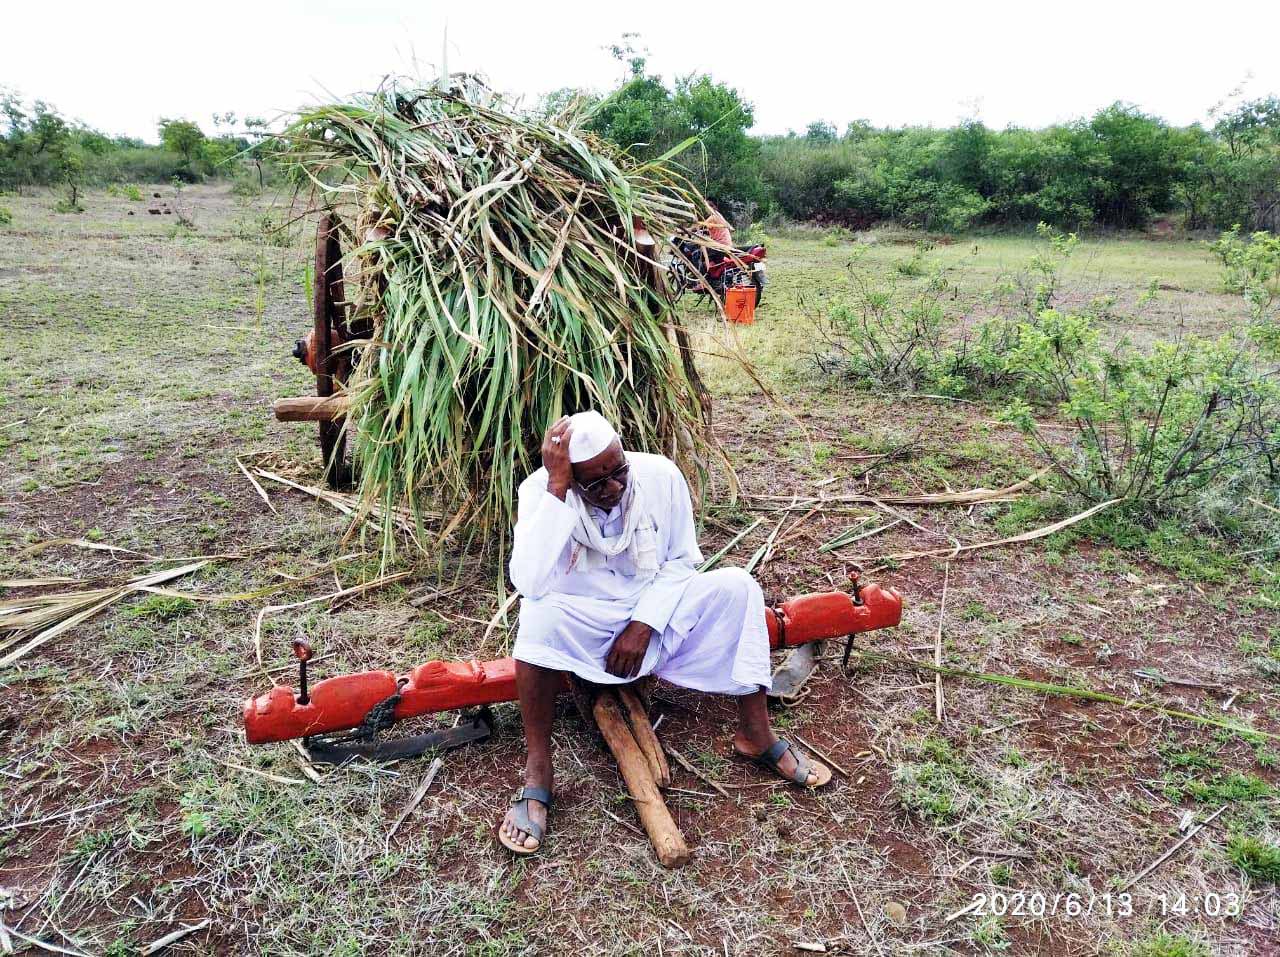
column 639, row 539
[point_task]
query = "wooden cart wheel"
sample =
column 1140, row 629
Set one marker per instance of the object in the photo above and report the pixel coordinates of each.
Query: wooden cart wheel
column 330, row 331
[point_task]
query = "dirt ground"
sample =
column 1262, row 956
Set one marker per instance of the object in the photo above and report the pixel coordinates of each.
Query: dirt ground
column 142, row 356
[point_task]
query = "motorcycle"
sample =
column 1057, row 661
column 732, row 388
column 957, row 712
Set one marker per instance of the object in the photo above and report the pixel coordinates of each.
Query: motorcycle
column 695, row 267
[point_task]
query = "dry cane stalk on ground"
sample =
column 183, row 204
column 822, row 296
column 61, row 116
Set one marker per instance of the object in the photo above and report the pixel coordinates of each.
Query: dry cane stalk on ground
column 937, row 645
column 32, row 622
column 959, row 549
column 977, row 496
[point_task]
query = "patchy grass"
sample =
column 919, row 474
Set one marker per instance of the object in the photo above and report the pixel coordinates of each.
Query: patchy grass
column 1257, row 858
column 937, row 784
column 161, row 607
column 1171, row 945
column 142, row 359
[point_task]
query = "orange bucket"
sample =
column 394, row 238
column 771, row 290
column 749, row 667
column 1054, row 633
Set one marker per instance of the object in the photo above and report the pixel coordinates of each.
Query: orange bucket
column 740, row 304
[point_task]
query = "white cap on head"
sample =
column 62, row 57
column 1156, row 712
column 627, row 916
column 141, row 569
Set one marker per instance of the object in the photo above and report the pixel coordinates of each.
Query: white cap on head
column 591, row 435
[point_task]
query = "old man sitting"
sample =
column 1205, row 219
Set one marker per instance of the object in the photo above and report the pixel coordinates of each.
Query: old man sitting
column 605, row 560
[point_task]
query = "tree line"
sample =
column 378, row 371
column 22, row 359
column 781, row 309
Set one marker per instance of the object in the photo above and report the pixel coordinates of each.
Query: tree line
column 1120, row 168
column 40, row 147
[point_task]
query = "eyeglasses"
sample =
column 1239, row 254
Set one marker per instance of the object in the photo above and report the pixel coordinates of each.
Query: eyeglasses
column 617, row 475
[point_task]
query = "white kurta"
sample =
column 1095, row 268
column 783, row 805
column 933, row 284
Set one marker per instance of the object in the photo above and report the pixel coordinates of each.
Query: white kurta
column 709, row 628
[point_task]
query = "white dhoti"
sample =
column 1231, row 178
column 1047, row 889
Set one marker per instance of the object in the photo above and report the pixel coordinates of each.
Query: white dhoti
column 709, row 628
column 716, row 639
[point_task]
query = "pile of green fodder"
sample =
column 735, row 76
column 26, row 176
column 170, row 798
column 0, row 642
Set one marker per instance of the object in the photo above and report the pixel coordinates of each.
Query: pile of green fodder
column 496, row 263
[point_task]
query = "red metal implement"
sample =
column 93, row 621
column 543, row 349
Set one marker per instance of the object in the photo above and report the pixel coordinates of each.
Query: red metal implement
column 342, row 702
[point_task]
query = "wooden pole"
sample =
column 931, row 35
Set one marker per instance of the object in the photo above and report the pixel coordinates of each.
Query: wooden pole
column 658, row 823
column 311, row 408
column 328, row 320
column 646, row 737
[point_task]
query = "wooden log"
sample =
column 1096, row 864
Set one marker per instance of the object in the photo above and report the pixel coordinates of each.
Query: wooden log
column 646, row 737
column 668, row 842
column 311, row 408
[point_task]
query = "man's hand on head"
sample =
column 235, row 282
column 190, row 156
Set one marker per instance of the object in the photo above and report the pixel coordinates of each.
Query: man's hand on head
column 627, row 654
column 555, row 457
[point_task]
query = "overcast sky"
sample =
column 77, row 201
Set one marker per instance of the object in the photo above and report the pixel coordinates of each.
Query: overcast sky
column 120, row 66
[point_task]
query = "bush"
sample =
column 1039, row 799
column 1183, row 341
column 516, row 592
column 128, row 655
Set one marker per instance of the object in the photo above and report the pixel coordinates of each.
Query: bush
column 1252, row 269
column 1251, row 266
column 139, row 165
column 751, row 236
column 1187, row 429
column 129, row 191
column 6, row 217
column 892, row 333
column 245, row 186
column 821, row 181
column 887, row 335
column 1156, row 428
column 1232, row 173
column 1118, row 168
column 38, row 147
column 262, row 228
column 945, row 207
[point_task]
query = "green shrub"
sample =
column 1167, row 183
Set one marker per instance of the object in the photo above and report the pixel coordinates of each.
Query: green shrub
column 1119, row 168
column 890, row 334
column 1186, row 430
column 246, row 186
column 754, row 235
column 1252, row 269
column 803, row 178
column 263, row 228
column 127, row 190
column 1250, row 264
column 887, row 335
column 915, row 265
column 1156, row 427
column 946, row 207
column 893, row 333
column 142, row 164
column 6, row 216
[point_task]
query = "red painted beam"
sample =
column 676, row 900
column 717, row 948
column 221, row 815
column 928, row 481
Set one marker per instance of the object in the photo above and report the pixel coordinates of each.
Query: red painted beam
column 341, row 702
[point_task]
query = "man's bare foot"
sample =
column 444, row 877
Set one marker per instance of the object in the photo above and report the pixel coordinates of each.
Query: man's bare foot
column 537, row 812
column 758, row 744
